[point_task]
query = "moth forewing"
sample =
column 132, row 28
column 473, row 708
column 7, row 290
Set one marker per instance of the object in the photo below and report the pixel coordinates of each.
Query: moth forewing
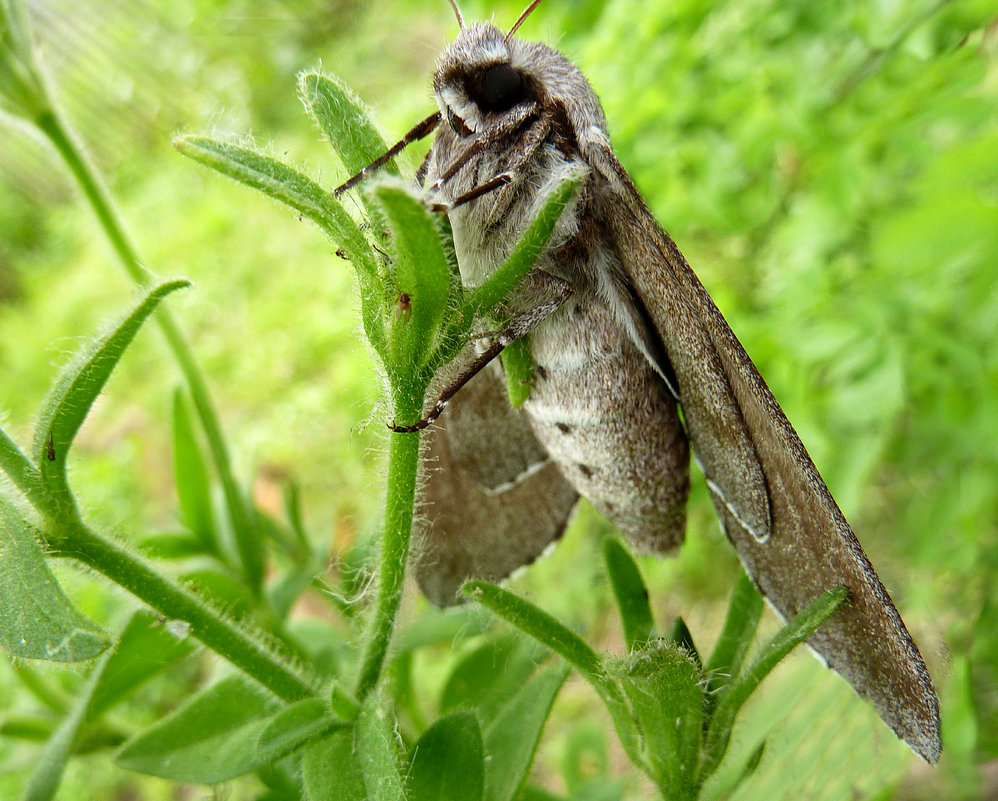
column 638, row 334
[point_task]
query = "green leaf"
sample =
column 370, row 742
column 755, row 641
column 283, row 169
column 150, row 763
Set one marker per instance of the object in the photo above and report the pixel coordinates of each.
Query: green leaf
column 487, row 676
column 51, row 762
column 344, row 119
column 539, row 625
column 422, row 273
column 511, row 739
column 377, row 752
column 227, row 730
column 448, row 761
column 191, row 475
column 437, row 626
column 630, row 592
column 81, row 382
column 145, row 647
column 172, row 546
column 662, row 684
column 744, row 611
column 285, row 592
column 230, row 593
column 289, row 186
column 141, row 650
column 531, row 793
column 525, row 253
column 519, row 368
column 585, row 764
column 305, row 196
column 680, row 634
column 34, row 728
column 37, row 620
column 738, row 690
column 292, row 507
column 330, row 769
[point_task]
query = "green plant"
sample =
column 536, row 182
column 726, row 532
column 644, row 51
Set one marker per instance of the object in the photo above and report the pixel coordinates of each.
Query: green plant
column 303, row 723
column 334, row 727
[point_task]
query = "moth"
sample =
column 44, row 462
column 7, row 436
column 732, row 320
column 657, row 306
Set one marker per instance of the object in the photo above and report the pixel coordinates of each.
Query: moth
column 631, row 367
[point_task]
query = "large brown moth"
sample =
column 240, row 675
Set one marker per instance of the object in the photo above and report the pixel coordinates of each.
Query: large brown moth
column 632, row 366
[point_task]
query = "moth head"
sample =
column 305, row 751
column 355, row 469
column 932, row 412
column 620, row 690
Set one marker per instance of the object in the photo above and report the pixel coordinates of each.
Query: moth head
column 480, row 78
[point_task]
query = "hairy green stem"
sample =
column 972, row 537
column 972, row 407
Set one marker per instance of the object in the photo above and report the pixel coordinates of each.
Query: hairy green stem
column 52, row 125
column 403, row 461
column 250, row 653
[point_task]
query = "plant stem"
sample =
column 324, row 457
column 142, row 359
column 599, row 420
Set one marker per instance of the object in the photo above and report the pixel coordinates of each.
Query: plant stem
column 52, row 125
column 403, row 461
column 248, row 652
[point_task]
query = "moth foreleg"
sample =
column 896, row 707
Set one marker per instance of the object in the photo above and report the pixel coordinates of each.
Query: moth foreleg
column 473, row 194
column 506, row 127
column 519, row 326
column 523, row 153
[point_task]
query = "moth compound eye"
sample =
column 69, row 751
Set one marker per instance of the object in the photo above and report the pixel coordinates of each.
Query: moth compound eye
column 502, row 87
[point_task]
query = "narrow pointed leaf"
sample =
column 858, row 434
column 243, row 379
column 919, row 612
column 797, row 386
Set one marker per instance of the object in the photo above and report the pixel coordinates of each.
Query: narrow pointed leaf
column 146, row 646
column 289, row 186
column 230, row 729
column 172, row 546
column 680, row 634
column 526, row 251
column 421, row 271
column 51, row 762
column 330, row 769
column 292, row 507
column 377, row 752
column 36, row 728
column 141, row 651
column 37, row 620
column 448, row 761
column 487, row 676
column 519, row 369
column 744, row 611
column 344, row 119
column 76, row 390
column 191, row 475
column 737, row 692
column 539, row 625
column 305, row 196
column 630, row 591
column 511, row 739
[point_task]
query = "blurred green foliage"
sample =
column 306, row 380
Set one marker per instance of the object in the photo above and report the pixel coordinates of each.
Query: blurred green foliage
column 830, row 171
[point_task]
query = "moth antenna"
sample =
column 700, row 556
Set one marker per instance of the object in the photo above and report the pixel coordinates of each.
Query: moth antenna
column 457, row 13
column 523, row 16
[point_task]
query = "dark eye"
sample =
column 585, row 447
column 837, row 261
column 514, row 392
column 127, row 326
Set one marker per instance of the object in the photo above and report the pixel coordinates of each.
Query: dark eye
column 502, row 87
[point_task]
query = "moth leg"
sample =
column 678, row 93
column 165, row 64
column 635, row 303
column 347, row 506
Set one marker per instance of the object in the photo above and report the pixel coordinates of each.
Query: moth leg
column 506, row 127
column 473, row 194
column 418, row 131
column 534, row 137
column 521, row 325
column 526, row 148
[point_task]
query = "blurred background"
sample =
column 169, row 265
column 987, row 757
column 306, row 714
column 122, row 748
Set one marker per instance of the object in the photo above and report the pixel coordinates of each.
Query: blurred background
column 829, row 170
